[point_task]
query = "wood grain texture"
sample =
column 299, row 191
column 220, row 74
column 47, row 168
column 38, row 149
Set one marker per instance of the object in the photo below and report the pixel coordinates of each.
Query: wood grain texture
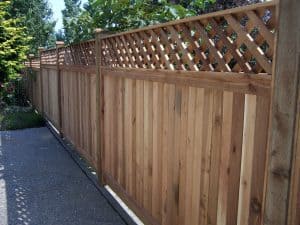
column 175, row 117
column 195, row 151
column 178, row 153
column 285, row 92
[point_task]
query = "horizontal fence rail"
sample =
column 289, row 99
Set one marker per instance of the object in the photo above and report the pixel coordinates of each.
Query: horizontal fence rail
column 174, row 117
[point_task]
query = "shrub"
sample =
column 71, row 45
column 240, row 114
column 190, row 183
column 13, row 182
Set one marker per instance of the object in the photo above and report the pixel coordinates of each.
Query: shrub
column 13, row 118
column 13, row 92
column 13, row 44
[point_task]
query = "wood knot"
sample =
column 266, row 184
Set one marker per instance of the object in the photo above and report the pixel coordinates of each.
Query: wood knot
column 150, row 170
column 251, row 88
column 218, row 120
column 176, row 193
column 255, row 205
column 228, row 170
column 281, row 173
column 234, row 149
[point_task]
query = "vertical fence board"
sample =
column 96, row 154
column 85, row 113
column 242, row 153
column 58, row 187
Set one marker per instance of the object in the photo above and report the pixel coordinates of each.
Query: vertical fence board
column 189, row 154
column 197, row 156
column 157, row 145
column 224, row 184
column 247, row 158
column 182, row 153
column 140, row 140
column 215, row 156
column 235, row 157
column 148, row 142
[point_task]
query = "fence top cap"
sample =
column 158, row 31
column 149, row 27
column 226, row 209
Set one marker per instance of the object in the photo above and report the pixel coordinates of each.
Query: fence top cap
column 31, row 56
column 98, row 30
column 59, row 43
column 41, row 48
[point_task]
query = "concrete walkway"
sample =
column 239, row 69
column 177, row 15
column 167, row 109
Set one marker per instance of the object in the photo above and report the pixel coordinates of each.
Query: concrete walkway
column 41, row 184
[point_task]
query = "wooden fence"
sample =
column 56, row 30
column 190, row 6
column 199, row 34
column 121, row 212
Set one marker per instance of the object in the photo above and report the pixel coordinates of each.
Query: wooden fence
column 175, row 117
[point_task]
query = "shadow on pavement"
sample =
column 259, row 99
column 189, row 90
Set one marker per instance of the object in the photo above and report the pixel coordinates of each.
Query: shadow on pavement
column 41, row 184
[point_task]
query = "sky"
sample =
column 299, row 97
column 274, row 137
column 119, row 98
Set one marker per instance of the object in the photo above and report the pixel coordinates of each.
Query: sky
column 57, row 6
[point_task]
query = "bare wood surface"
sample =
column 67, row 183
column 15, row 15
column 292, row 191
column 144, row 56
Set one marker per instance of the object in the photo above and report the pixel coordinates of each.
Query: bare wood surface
column 99, row 108
column 174, row 116
column 255, row 84
column 283, row 114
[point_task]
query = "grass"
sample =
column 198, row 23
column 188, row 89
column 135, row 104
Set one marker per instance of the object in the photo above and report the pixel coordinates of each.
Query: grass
column 20, row 120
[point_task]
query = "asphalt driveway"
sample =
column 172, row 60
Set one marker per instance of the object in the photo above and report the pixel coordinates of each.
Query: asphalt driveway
column 41, row 184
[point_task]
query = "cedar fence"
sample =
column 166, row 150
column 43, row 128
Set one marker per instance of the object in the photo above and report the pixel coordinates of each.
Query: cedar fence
column 176, row 117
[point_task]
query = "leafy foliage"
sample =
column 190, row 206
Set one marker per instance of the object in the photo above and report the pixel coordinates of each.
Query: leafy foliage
column 60, row 35
column 82, row 28
column 13, row 92
column 13, row 118
column 121, row 15
column 71, row 16
column 38, row 19
column 126, row 14
column 13, row 44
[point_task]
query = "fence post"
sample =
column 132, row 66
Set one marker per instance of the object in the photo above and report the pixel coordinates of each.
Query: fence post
column 283, row 130
column 30, row 89
column 99, row 107
column 30, row 56
column 41, row 49
column 59, row 44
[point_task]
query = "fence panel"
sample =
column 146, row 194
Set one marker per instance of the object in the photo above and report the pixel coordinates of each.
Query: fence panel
column 186, row 154
column 78, row 111
column 69, row 95
column 49, row 76
column 186, row 116
column 186, row 112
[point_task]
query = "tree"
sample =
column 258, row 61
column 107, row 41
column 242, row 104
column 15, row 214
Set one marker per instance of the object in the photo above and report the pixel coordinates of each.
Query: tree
column 59, row 35
column 70, row 20
column 13, row 43
column 113, row 15
column 208, row 6
column 38, row 20
column 121, row 15
column 126, row 14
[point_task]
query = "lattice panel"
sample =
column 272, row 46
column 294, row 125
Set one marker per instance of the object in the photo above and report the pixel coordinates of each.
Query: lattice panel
column 34, row 63
column 80, row 54
column 49, row 56
column 227, row 41
column 77, row 54
column 61, row 55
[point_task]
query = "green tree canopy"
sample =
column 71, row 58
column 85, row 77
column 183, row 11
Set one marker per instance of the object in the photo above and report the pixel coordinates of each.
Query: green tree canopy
column 38, row 19
column 60, row 35
column 125, row 14
column 121, row 15
column 13, row 43
column 118, row 15
column 71, row 16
